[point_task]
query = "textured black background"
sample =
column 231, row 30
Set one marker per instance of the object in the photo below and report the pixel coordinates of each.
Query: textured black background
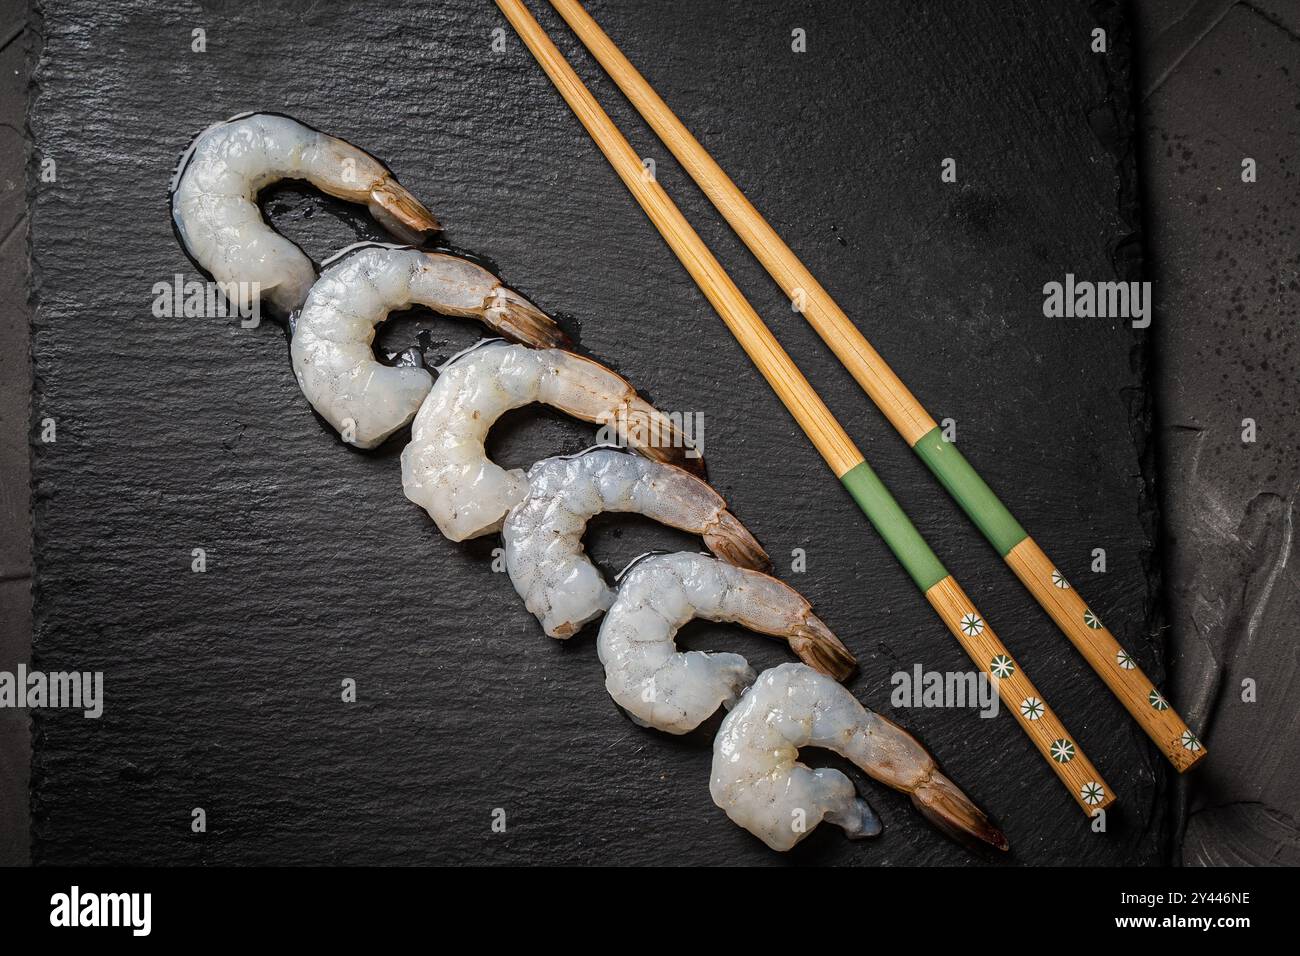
column 223, row 688
column 1220, row 84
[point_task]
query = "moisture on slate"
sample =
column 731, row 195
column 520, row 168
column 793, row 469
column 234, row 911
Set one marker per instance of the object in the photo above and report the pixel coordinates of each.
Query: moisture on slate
column 1219, row 91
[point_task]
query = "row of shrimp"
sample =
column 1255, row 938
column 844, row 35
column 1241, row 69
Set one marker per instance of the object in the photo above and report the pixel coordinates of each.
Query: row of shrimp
column 542, row 514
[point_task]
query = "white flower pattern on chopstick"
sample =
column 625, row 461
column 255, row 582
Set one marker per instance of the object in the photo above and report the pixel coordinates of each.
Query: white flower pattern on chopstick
column 1062, row 750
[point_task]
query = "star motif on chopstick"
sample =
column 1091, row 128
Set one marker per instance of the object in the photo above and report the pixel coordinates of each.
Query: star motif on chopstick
column 1062, row 750
column 1031, row 708
column 1156, row 701
column 1092, row 620
column 1002, row 667
column 1189, row 741
column 972, row 625
column 1059, row 580
column 1125, row 660
column 1092, row 793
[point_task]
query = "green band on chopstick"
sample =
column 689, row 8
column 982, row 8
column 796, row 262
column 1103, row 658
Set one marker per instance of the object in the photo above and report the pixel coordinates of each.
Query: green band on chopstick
column 967, row 487
column 894, row 526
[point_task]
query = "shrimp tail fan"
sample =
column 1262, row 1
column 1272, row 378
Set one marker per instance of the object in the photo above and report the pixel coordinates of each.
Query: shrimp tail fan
column 520, row 320
column 821, row 650
column 400, row 212
column 657, row 436
column 943, row 804
column 731, row 541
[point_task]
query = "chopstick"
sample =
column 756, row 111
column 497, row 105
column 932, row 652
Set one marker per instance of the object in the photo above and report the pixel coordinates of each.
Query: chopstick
column 1027, row 560
column 976, row 637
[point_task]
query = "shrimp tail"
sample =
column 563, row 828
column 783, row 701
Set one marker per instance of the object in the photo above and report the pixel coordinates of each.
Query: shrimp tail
column 656, row 436
column 519, row 320
column 731, row 541
column 950, row 810
column 393, row 205
column 821, row 650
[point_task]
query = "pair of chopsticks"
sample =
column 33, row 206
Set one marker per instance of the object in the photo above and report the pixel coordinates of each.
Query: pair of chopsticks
column 1116, row 667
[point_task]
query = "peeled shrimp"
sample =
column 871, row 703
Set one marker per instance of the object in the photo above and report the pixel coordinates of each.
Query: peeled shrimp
column 214, row 200
column 335, row 366
column 543, row 533
column 445, row 469
column 675, row 691
column 758, row 780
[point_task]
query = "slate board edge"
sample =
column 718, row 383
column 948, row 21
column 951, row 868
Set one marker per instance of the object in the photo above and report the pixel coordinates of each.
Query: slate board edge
column 1129, row 255
column 36, row 24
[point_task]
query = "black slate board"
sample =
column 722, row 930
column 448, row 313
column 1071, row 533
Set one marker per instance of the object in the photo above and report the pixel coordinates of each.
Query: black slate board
column 223, row 688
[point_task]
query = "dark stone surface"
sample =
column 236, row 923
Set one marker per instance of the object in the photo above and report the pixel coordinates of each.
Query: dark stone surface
column 15, row 391
column 1222, row 86
column 223, row 688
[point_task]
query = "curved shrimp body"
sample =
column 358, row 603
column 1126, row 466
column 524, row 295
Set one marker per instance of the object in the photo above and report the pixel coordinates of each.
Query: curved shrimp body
column 543, row 533
column 445, row 468
column 214, row 199
column 674, row 691
column 332, row 358
column 758, row 780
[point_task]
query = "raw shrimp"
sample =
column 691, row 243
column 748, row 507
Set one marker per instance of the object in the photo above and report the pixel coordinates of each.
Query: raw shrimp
column 543, row 533
column 336, row 368
column 758, row 780
column 214, row 200
column 445, row 469
column 675, row 691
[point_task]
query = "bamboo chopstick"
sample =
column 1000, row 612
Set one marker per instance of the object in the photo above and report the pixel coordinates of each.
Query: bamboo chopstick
column 1035, row 570
column 1039, row 722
